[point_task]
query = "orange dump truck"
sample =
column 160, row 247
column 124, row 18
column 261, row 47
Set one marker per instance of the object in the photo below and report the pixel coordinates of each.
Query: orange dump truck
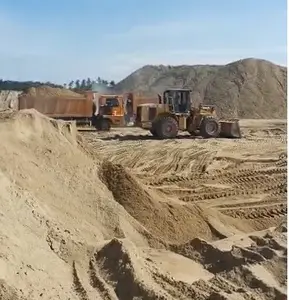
column 117, row 110
column 109, row 111
column 99, row 110
column 60, row 107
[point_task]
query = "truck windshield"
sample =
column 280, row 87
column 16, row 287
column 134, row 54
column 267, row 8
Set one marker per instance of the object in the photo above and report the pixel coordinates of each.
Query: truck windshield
column 111, row 102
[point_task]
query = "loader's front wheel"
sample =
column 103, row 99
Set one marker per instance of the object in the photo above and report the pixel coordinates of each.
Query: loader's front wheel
column 167, row 128
column 210, row 128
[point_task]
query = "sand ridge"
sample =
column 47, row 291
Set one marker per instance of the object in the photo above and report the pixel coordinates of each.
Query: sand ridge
column 47, row 91
column 244, row 88
column 123, row 216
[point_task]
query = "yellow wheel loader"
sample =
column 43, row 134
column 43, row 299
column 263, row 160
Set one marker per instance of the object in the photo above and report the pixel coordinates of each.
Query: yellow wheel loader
column 175, row 113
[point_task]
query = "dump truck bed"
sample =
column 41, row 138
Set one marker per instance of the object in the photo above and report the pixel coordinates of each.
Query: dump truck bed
column 59, row 107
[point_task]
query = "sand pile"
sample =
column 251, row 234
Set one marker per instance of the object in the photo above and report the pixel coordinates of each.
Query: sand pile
column 47, row 91
column 244, row 267
column 168, row 221
column 52, row 206
column 248, row 88
column 8, row 100
column 66, row 234
column 172, row 221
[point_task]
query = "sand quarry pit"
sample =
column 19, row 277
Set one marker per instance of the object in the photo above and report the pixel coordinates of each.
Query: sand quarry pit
column 120, row 215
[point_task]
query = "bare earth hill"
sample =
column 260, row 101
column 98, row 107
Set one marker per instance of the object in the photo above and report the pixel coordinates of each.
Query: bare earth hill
column 249, row 88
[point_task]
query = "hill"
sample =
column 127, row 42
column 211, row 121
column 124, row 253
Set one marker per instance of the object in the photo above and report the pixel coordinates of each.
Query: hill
column 248, row 88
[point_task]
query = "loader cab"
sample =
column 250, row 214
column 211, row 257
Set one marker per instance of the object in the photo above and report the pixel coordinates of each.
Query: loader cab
column 179, row 100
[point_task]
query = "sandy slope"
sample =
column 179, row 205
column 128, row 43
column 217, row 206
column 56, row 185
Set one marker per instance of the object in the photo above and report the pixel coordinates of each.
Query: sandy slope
column 244, row 179
column 247, row 88
column 171, row 220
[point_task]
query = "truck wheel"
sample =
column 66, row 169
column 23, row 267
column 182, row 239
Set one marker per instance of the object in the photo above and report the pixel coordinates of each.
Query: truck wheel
column 102, row 124
column 105, row 125
column 153, row 132
column 210, row 128
column 167, row 128
column 97, row 124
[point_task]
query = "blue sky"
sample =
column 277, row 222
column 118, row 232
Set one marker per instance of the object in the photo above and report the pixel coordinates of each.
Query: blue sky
column 62, row 40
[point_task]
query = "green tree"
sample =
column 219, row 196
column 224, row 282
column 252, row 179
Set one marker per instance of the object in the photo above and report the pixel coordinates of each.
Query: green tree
column 112, row 83
column 83, row 84
column 77, row 84
column 104, row 82
column 71, row 84
column 88, row 83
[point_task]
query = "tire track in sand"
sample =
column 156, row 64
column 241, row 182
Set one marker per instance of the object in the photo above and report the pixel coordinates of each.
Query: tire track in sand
column 228, row 175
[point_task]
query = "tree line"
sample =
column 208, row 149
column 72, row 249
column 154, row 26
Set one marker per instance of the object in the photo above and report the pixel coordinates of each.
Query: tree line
column 23, row 85
column 87, row 84
column 78, row 84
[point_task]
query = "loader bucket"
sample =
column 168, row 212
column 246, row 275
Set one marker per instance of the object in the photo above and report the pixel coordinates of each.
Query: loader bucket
column 230, row 129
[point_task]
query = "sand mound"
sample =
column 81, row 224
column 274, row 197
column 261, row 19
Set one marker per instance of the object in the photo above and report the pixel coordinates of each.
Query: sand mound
column 118, row 262
column 243, row 269
column 239, row 265
column 67, row 234
column 7, row 292
column 147, row 273
column 8, row 100
column 47, row 91
column 170, row 222
column 52, row 206
column 248, row 88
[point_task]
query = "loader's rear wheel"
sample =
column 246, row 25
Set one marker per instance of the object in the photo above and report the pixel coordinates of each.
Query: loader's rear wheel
column 167, row 128
column 210, row 128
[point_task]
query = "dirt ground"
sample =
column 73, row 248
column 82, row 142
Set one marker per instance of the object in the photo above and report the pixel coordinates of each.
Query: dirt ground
column 244, row 179
column 121, row 215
